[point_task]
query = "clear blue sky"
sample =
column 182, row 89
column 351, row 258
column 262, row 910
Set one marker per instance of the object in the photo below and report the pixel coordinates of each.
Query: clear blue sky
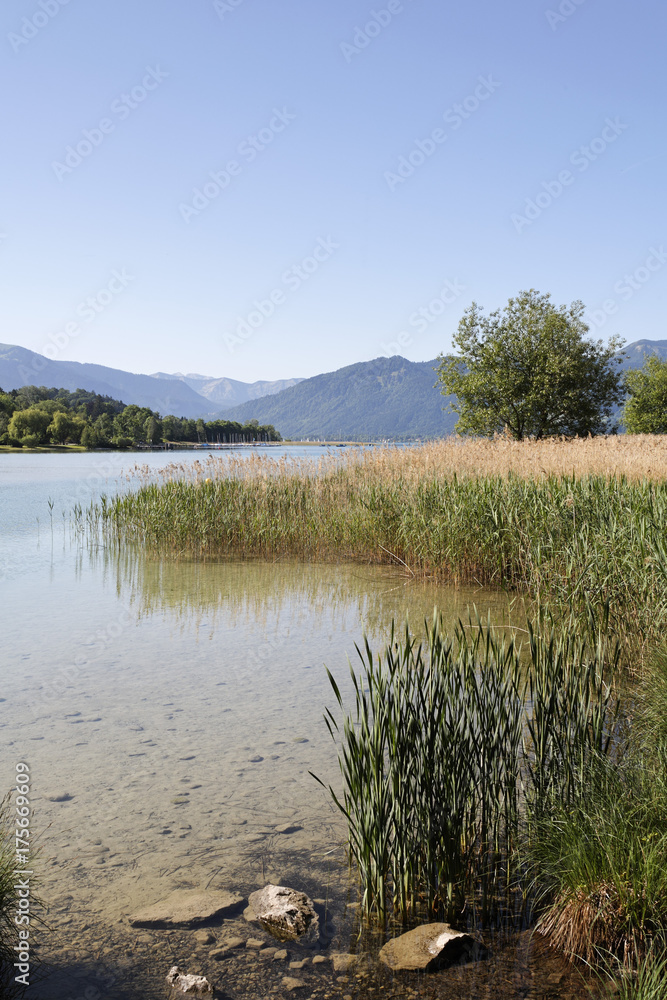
column 314, row 116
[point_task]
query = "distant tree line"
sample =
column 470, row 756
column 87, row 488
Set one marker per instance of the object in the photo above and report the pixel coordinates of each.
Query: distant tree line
column 35, row 416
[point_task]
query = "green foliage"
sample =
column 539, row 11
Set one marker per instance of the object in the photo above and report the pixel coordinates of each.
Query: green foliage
column 29, row 425
column 35, row 416
column 454, row 751
column 530, row 371
column 601, row 860
column 645, row 411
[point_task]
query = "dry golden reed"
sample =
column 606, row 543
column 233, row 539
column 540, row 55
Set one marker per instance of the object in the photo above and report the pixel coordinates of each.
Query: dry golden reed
column 636, row 457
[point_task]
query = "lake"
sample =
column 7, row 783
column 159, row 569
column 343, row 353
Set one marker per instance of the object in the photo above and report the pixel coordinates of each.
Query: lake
column 170, row 714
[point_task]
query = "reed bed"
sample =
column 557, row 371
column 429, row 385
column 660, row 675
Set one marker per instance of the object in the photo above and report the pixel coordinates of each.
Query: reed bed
column 455, row 751
column 461, row 512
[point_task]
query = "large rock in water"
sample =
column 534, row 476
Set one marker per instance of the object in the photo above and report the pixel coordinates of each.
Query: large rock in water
column 426, row 948
column 285, row 913
column 187, row 908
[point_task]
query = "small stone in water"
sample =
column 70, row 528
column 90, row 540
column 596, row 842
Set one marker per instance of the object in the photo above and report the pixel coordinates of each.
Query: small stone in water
column 204, row 937
column 280, row 956
column 254, row 943
column 292, row 984
column 233, row 942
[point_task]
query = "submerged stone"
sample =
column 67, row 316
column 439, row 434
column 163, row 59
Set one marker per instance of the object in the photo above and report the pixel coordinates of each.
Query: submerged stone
column 187, row 908
column 426, row 948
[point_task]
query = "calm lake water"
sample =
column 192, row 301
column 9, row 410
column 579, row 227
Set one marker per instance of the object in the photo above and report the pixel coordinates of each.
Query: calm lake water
column 170, row 714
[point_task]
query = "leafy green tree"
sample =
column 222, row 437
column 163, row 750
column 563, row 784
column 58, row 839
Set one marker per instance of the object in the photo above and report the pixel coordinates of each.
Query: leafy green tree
column 103, row 430
column 89, row 437
column 29, row 427
column 153, row 430
column 645, row 410
column 529, row 371
column 62, row 427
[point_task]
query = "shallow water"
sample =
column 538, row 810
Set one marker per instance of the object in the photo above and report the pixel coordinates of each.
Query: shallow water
column 170, row 714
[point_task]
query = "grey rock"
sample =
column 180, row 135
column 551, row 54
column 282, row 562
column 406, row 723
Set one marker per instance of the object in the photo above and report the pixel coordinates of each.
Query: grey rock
column 285, row 913
column 187, row 908
column 300, row 965
column 426, row 948
column 250, row 915
column 254, row 943
column 185, row 983
column 318, row 959
column 280, row 956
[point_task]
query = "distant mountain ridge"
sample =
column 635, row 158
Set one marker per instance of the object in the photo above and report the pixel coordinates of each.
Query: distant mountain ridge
column 19, row 366
column 229, row 392
column 637, row 352
column 389, row 398
column 181, row 395
column 385, row 398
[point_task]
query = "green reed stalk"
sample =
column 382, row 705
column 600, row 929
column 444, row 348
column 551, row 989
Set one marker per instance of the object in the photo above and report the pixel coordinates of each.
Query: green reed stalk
column 453, row 750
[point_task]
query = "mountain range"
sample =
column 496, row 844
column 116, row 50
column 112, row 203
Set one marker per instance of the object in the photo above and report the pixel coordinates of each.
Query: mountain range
column 384, row 398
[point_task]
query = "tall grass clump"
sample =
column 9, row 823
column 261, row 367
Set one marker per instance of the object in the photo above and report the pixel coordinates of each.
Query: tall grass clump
column 455, row 750
column 601, row 862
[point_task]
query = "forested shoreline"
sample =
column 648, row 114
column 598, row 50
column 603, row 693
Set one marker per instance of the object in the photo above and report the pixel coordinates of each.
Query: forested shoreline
column 36, row 416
